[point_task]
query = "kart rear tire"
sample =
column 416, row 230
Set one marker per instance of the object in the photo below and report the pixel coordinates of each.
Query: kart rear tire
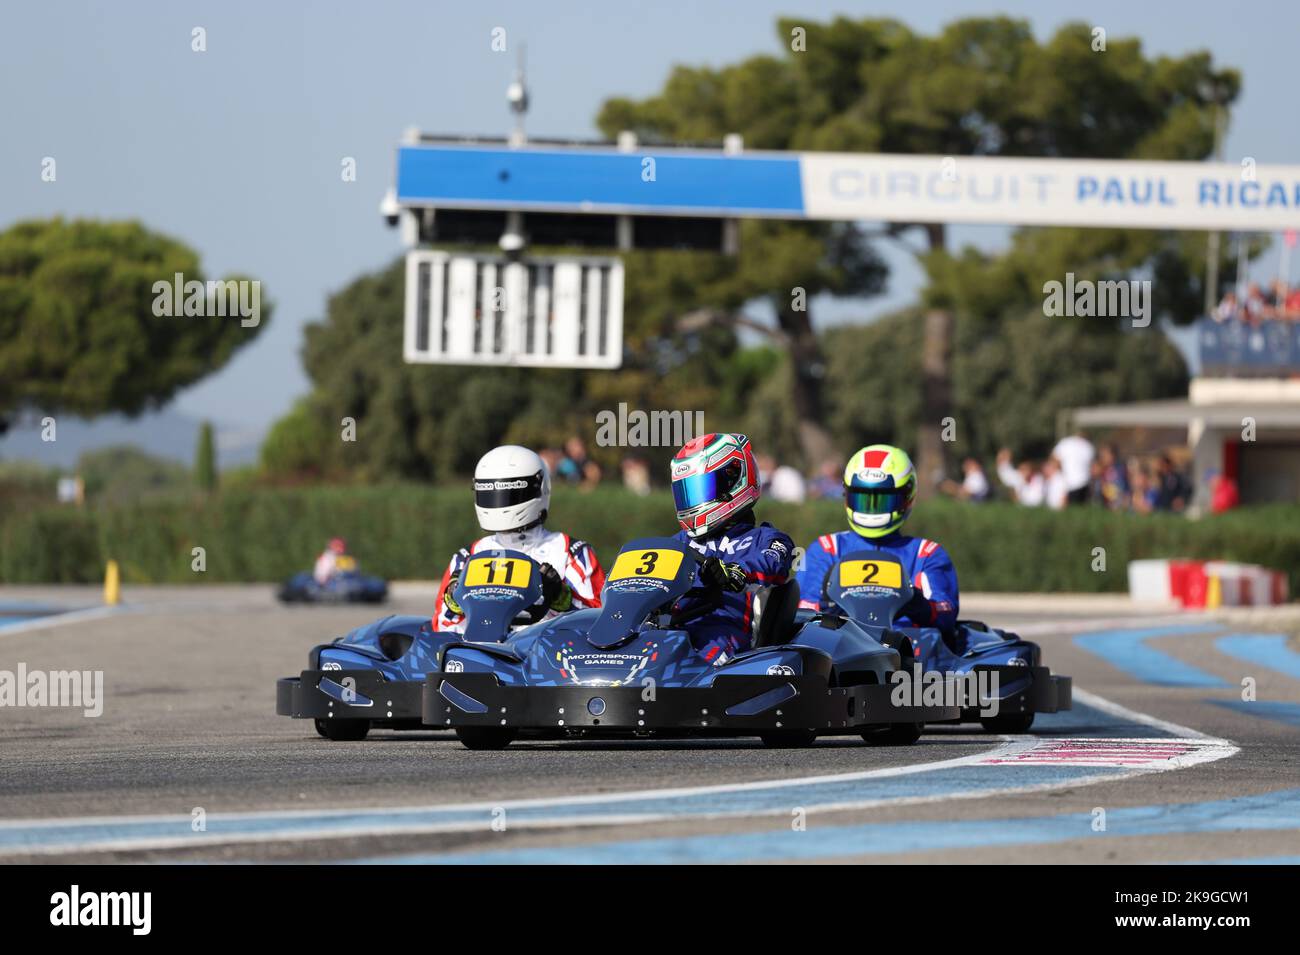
column 788, row 739
column 343, row 731
column 485, row 737
column 896, row 734
column 1007, row 723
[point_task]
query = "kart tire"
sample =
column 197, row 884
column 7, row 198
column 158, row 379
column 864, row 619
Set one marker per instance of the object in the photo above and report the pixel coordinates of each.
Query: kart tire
column 485, row 737
column 788, row 739
column 1007, row 723
column 896, row 734
column 343, row 731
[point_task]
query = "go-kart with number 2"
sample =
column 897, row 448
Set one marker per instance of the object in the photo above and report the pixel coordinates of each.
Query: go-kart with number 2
column 870, row 585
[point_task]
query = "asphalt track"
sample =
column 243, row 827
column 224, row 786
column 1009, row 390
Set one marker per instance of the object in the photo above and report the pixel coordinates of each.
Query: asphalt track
column 1161, row 760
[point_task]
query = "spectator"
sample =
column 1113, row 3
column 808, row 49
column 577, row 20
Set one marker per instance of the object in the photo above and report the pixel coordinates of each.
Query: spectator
column 1142, row 499
column 766, row 465
column 1277, row 298
column 1224, row 494
column 1256, row 307
column 573, row 466
column 591, row 475
column 1056, row 489
column 1228, row 308
column 974, row 486
column 1171, row 487
column 1024, row 480
column 1292, row 305
column 551, row 457
column 636, row 475
column 787, row 485
column 1074, row 454
column 1111, row 487
column 829, row 483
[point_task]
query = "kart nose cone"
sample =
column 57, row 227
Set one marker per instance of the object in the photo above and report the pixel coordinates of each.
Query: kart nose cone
column 595, row 706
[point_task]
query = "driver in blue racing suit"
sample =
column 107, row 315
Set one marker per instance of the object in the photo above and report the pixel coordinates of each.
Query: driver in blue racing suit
column 715, row 487
column 879, row 490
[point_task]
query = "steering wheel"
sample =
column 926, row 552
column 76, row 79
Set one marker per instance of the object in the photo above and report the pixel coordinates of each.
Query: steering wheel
column 708, row 597
column 531, row 615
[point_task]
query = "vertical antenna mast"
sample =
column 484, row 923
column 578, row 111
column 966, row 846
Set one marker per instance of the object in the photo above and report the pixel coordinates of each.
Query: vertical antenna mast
column 517, row 96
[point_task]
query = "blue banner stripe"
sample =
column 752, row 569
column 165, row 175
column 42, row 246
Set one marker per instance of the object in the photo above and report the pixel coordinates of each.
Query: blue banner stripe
column 599, row 182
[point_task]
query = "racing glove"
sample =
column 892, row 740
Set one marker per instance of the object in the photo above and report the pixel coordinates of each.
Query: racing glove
column 917, row 610
column 449, row 600
column 722, row 576
column 555, row 592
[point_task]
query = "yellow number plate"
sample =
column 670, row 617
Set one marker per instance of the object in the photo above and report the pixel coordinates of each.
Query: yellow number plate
column 497, row 572
column 879, row 573
column 660, row 564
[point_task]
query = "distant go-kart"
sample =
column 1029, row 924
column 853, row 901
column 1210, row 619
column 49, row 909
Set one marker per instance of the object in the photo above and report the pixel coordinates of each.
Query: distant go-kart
column 348, row 585
column 1024, row 686
column 628, row 668
column 374, row 675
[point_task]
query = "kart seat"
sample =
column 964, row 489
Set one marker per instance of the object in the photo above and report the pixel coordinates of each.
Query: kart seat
column 775, row 614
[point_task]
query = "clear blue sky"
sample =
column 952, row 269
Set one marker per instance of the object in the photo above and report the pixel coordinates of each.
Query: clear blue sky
column 236, row 151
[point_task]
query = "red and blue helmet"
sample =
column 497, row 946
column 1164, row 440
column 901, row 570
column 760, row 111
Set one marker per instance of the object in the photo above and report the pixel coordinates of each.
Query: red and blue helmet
column 714, row 478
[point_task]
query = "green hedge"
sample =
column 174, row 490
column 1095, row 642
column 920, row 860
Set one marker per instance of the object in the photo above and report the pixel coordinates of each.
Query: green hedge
column 409, row 532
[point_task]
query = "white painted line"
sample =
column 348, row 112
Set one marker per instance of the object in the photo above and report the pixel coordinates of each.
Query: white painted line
column 58, row 619
column 1008, row 745
column 1201, row 748
column 1123, row 712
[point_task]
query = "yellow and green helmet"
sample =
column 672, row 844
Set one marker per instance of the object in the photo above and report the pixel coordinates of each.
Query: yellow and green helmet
column 879, row 488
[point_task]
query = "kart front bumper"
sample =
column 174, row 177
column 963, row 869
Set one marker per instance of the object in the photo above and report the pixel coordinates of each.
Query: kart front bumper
column 1026, row 690
column 349, row 694
column 734, row 705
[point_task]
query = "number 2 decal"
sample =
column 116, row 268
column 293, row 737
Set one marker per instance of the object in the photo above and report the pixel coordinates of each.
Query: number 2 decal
column 875, row 573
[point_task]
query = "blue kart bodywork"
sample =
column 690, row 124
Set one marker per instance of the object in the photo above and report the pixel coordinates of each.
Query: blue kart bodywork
column 349, row 587
column 629, row 669
column 1023, row 685
column 372, row 676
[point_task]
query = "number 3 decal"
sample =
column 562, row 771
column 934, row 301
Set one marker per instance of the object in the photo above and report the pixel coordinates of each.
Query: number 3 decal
column 656, row 564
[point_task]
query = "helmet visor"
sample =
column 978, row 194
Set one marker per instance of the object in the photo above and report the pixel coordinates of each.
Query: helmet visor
column 696, row 489
column 507, row 492
column 862, row 501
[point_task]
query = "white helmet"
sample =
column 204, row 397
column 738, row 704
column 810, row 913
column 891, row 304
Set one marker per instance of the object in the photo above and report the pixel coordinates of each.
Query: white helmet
column 512, row 489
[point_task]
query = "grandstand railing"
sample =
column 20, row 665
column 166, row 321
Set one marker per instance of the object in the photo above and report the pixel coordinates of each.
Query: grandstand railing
column 1240, row 349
